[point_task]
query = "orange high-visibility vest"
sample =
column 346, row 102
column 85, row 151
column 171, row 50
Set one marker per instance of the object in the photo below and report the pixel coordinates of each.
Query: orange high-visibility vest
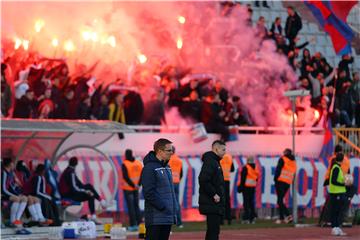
column 226, row 163
column 345, row 166
column 252, row 176
column 288, row 171
column 134, row 169
column 175, row 164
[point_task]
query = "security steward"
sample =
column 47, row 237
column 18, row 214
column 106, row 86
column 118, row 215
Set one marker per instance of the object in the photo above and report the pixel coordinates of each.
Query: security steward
column 284, row 176
column 175, row 164
column 249, row 177
column 227, row 167
column 131, row 172
column 337, row 191
column 345, row 164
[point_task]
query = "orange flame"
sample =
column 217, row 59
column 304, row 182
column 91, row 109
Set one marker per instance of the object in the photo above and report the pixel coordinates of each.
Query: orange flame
column 179, row 43
column 142, row 58
column 181, row 19
column 55, row 42
column 69, row 46
column 39, row 24
column 316, row 114
column 25, row 44
column 17, row 43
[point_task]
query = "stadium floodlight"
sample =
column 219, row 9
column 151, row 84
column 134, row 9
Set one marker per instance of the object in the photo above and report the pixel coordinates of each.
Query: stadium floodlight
column 292, row 95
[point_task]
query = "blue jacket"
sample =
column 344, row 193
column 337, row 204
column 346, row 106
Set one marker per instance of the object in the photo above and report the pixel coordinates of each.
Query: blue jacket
column 158, row 189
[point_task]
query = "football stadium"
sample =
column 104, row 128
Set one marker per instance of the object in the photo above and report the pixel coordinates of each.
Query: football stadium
column 180, row 119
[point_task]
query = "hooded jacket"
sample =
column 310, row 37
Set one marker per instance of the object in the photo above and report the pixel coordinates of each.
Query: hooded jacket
column 211, row 181
column 158, row 189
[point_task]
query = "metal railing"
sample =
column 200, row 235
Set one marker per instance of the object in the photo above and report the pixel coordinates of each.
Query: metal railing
column 351, row 138
column 249, row 130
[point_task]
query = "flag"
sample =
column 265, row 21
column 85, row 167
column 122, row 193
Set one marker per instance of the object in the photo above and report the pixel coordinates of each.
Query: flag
column 332, row 17
column 328, row 144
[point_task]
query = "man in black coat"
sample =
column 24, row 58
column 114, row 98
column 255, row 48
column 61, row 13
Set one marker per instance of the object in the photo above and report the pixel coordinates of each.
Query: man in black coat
column 293, row 26
column 211, row 191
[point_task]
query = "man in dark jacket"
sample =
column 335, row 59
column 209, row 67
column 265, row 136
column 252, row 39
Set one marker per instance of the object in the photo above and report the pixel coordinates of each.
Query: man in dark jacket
column 158, row 190
column 211, row 191
column 293, row 26
column 71, row 187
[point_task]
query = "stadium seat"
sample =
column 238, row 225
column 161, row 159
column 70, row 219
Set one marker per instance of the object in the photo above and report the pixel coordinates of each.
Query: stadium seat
column 277, row 5
column 313, row 28
column 305, row 29
column 65, row 203
column 321, row 40
column 329, row 51
column 320, row 49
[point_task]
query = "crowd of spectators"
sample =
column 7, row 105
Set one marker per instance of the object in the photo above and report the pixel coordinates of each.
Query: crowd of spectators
column 43, row 88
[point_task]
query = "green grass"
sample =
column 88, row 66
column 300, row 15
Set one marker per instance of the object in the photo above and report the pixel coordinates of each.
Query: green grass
column 201, row 226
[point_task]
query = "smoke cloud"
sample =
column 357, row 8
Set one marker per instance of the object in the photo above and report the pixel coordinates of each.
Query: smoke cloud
column 133, row 40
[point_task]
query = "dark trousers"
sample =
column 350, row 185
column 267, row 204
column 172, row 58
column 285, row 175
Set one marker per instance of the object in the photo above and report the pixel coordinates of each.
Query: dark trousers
column 227, row 215
column 337, row 202
column 132, row 202
column 178, row 212
column 281, row 190
column 249, row 203
column 158, row 232
column 213, row 222
column 50, row 209
column 82, row 196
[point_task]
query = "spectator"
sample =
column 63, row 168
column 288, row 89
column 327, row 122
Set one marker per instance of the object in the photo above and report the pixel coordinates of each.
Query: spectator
column 317, row 84
column 133, row 108
column 276, row 28
column 6, row 95
column 155, row 110
column 236, row 114
column 116, row 109
column 71, row 187
column 293, row 26
column 84, row 108
column 221, row 91
column 26, row 106
column 355, row 97
column 46, row 106
column 344, row 64
column 192, row 107
column 211, row 116
column 249, row 16
column 65, row 106
column 21, row 85
column 305, row 62
column 261, row 30
column 102, row 111
column 175, row 98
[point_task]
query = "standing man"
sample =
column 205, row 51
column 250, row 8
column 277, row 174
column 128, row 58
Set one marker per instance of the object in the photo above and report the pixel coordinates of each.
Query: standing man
column 131, row 172
column 249, row 176
column 345, row 164
column 292, row 26
column 337, row 192
column 158, row 189
column 284, row 176
column 175, row 164
column 227, row 167
column 211, row 191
